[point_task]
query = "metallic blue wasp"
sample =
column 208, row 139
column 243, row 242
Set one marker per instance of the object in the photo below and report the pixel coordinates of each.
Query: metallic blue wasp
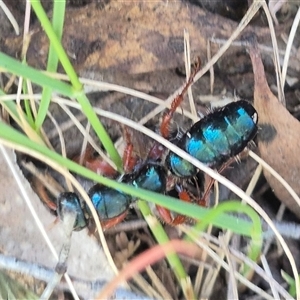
column 215, row 138
column 212, row 140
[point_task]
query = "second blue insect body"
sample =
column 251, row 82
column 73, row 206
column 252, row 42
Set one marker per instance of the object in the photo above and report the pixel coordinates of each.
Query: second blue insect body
column 109, row 203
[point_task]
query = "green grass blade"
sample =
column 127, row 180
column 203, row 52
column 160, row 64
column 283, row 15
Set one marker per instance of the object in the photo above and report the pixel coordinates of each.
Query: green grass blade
column 162, row 238
column 291, row 283
column 27, row 106
column 11, row 108
column 238, row 208
column 14, row 112
column 56, row 44
column 77, row 86
column 58, row 17
column 15, row 67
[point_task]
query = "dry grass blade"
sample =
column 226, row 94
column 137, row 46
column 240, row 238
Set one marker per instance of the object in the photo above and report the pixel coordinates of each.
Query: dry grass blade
column 289, row 46
column 11, row 17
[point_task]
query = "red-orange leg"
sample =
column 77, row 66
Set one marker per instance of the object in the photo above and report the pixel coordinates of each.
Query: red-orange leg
column 166, row 215
column 43, row 195
column 101, row 167
column 106, row 224
column 164, row 127
column 129, row 161
column 203, row 200
column 95, row 164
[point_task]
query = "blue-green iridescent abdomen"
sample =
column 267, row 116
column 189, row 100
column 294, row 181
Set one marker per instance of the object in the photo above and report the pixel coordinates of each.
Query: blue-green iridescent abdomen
column 152, row 177
column 110, row 203
column 214, row 139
